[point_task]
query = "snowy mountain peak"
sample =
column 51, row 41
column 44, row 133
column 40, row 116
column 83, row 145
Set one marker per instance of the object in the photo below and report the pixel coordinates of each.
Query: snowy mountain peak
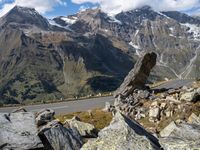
column 24, row 16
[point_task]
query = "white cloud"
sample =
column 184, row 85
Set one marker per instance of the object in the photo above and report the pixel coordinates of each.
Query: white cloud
column 116, row 6
column 83, row 7
column 42, row 6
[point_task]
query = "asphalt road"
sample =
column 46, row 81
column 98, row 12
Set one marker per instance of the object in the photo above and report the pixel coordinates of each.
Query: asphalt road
column 173, row 84
column 67, row 107
column 87, row 104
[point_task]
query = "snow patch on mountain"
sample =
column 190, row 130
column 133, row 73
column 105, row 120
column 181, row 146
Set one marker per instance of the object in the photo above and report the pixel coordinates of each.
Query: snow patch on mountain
column 70, row 20
column 194, row 30
column 53, row 23
column 137, row 48
column 114, row 19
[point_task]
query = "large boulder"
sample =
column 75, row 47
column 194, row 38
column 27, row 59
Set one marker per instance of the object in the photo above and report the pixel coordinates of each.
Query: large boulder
column 56, row 137
column 18, row 131
column 191, row 96
column 44, row 116
column 85, row 129
column 137, row 76
column 180, row 136
column 123, row 134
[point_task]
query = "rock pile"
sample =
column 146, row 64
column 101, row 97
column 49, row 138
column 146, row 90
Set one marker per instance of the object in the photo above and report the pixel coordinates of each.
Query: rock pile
column 132, row 96
column 133, row 91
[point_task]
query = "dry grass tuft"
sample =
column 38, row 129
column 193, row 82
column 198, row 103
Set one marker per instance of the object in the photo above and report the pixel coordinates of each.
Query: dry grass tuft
column 97, row 117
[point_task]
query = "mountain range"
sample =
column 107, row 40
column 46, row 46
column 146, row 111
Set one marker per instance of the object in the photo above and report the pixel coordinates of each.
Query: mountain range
column 91, row 51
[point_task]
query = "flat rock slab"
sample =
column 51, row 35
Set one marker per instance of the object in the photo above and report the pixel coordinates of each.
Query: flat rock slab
column 61, row 138
column 18, row 131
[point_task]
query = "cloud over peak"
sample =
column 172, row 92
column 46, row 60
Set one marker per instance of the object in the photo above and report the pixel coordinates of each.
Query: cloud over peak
column 41, row 6
column 116, row 6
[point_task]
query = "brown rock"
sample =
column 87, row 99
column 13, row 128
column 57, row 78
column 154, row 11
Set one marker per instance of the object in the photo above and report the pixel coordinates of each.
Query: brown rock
column 138, row 75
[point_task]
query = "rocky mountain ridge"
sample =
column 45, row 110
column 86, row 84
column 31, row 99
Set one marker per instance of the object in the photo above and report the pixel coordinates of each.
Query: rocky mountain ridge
column 177, row 108
column 90, row 52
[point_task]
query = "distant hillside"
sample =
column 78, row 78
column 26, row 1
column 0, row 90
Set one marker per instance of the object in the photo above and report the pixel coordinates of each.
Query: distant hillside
column 90, row 52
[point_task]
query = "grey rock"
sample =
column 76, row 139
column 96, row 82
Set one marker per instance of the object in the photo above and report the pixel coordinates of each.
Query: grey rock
column 193, row 96
column 154, row 114
column 44, row 116
column 163, row 95
column 138, row 75
column 18, row 131
column 168, row 130
column 123, row 134
column 57, row 137
column 179, row 144
column 61, row 138
column 85, row 129
column 49, row 125
column 172, row 99
column 180, row 136
column 172, row 91
column 153, row 97
column 107, row 107
column 194, row 119
column 143, row 94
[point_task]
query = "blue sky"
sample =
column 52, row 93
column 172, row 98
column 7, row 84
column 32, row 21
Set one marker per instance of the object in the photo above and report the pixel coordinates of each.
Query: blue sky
column 70, row 8
column 52, row 8
column 49, row 8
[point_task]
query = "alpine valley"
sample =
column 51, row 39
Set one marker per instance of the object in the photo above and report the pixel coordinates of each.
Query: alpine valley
column 91, row 51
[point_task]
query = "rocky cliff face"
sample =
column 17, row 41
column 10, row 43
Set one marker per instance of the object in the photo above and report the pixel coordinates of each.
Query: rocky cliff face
column 90, row 51
column 77, row 64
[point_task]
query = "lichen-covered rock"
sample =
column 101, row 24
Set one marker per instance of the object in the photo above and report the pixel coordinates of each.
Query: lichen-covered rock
column 18, row 131
column 168, row 129
column 182, row 136
column 123, row 134
column 85, row 129
column 138, row 75
column 44, row 116
column 179, row 144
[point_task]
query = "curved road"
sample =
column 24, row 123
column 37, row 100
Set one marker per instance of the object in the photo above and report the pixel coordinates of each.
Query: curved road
column 87, row 104
column 67, row 107
column 174, row 84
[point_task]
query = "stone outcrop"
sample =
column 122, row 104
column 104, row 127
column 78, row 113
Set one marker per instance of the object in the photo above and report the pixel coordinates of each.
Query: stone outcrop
column 85, row 129
column 123, row 134
column 137, row 76
column 181, row 135
column 18, row 131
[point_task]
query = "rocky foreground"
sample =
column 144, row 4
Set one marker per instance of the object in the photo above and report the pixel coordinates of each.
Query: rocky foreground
column 143, row 119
